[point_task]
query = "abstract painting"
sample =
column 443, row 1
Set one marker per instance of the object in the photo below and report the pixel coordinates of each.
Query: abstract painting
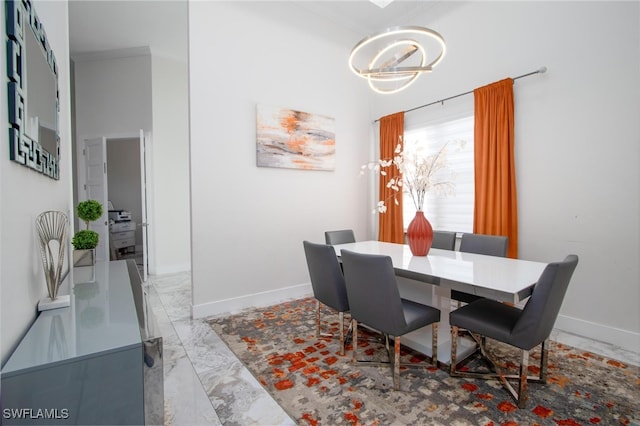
column 295, row 140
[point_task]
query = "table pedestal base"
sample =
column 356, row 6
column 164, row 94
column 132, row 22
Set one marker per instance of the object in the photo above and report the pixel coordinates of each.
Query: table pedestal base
column 420, row 340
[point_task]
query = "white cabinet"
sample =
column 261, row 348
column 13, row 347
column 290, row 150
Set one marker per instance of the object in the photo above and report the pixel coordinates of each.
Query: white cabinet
column 122, row 238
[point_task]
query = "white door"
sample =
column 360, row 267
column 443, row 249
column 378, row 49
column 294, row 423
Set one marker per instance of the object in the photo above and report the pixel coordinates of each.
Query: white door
column 144, row 147
column 95, row 160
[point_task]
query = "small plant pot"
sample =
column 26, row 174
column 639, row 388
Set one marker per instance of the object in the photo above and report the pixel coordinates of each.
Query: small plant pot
column 84, row 257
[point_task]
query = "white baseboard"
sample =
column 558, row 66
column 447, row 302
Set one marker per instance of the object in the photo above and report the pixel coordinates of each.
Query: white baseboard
column 171, row 269
column 625, row 339
column 237, row 304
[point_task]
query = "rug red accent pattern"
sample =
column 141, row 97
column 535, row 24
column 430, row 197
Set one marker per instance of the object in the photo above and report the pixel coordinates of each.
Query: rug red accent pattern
column 317, row 386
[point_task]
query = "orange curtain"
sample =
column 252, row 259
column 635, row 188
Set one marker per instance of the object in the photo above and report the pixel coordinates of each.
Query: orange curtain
column 495, row 210
column 390, row 223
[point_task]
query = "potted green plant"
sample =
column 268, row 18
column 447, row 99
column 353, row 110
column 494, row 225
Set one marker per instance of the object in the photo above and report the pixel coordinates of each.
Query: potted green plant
column 86, row 240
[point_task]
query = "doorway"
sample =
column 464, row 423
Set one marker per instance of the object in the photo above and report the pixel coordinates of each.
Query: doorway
column 124, row 200
column 114, row 171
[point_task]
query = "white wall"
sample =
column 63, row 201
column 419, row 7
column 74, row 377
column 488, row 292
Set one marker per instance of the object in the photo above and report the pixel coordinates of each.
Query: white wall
column 577, row 143
column 248, row 223
column 112, row 99
column 118, row 96
column 170, row 165
column 25, row 193
column 577, row 139
column 113, row 96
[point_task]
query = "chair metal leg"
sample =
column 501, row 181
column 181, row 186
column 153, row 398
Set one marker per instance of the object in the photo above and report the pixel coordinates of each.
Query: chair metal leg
column 396, row 363
column 544, row 361
column 341, row 316
column 522, row 389
column 317, row 319
column 319, row 332
column 454, row 350
column 434, row 343
column 392, row 352
column 521, row 395
column 354, row 331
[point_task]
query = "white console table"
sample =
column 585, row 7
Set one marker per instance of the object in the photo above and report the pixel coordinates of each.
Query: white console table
column 98, row 361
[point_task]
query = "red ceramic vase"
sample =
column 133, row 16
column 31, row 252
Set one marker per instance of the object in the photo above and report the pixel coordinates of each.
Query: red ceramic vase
column 420, row 235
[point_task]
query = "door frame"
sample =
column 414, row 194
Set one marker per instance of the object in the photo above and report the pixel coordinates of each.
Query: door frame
column 81, row 181
column 97, row 188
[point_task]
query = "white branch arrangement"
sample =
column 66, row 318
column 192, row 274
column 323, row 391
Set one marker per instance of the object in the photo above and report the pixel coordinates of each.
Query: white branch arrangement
column 416, row 173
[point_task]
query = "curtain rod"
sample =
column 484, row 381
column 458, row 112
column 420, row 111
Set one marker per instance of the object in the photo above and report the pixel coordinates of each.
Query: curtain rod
column 540, row 70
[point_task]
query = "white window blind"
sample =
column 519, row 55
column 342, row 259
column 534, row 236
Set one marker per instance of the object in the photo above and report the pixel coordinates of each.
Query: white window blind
column 452, row 212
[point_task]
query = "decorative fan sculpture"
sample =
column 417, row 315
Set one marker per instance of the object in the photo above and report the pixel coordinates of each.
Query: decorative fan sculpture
column 52, row 232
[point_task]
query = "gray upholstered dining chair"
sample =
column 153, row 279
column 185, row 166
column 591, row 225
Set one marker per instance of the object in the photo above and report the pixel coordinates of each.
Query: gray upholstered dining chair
column 445, row 240
column 491, row 245
column 341, row 236
column 523, row 328
column 374, row 301
column 327, row 283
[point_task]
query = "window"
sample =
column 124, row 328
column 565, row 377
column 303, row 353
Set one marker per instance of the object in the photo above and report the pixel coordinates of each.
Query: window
column 452, row 212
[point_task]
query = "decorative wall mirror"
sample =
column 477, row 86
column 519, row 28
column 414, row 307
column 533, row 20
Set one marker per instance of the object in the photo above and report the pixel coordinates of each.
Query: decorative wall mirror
column 32, row 92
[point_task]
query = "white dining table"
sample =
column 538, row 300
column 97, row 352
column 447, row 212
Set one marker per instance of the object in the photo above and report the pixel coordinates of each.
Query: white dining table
column 430, row 279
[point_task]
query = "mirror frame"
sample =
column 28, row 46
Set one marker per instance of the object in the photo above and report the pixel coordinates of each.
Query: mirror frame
column 20, row 17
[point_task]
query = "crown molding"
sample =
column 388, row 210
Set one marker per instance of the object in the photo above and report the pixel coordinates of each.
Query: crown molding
column 112, row 54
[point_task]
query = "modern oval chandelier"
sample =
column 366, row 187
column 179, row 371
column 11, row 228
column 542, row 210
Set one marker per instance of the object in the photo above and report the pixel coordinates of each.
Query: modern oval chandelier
column 392, row 60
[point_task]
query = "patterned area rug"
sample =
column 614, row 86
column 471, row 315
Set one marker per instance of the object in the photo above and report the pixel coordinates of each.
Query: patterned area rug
column 317, row 386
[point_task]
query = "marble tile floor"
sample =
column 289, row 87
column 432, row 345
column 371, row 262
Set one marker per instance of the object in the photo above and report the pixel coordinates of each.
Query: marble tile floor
column 205, row 384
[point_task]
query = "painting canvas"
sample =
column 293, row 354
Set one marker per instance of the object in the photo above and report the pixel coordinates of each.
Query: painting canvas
column 293, row 139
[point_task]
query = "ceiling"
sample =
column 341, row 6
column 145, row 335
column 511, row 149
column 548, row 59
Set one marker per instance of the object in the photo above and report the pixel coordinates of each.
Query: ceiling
column 366, row 18
column 99, row 26
column 161, row 25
